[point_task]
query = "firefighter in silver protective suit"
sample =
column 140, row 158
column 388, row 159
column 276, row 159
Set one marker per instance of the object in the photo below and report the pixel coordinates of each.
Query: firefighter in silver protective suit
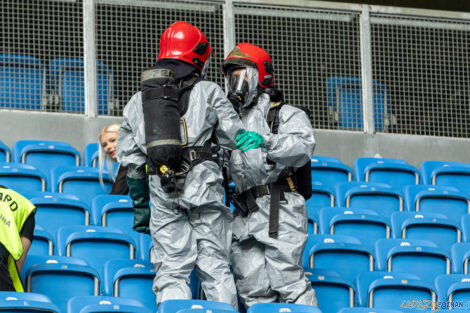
column 171, row 126
column 270, row 220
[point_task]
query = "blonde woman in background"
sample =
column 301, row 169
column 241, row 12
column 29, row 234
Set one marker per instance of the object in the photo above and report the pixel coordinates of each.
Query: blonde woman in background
column 106, row 157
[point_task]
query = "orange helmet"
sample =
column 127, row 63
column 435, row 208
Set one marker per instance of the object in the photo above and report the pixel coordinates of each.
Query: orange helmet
column 185, row 42
column 247, row 54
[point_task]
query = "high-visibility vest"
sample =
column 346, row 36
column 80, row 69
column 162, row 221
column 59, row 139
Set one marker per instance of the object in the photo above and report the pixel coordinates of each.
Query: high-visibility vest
column 14, row 210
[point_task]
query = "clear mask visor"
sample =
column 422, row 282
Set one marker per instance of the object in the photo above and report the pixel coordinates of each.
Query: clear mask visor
column 238, row 81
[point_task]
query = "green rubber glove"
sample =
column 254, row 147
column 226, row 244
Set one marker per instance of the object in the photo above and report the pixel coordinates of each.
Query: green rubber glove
column 139, row 192
column 249, row 140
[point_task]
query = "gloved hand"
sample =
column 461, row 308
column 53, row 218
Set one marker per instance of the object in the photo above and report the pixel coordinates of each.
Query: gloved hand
column 249, row 140
column 139, row 192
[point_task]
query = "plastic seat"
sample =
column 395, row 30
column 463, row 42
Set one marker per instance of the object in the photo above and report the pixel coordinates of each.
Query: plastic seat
column 367, row 310
column 55, row 210
column 114, row 211
column 365, row 225
column 345, row 103
column 11, row 304
column 437, row 199
column 428, row 226
column 22, row 178
column 22, row 82
column 329, row 173
column 381, row 198
column 67, row 77
column 5, row 153
column 95, row 244
column 321, row 159
column 343, row 254
column 454, row 287
column 332, row 290
column 282, row 307
column 322, row 196
column 92, row 304
column 171, row 306
column 393, row 172
column 446, row 174
column 90, row 155
column 421, row 257
column 383, row 290
column 60, row 278
column 460, row 253
column 145, row 245
column 43, row 242
column 45, row 155
column 82, row 182
column 131, row 279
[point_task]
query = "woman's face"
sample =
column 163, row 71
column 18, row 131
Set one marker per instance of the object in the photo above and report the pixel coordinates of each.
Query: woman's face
column 108, row 143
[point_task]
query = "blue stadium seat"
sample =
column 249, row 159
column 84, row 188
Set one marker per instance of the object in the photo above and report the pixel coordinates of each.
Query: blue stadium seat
column 328, row 159
column 145, row 244
column 12, row 304
column 22, row 82
column 131, row 279
column 345, row 103
column 332, row 290
column 173, row 306
column 43, row 242
column 454, row 287
column 454, row 310
column 92, row 304
column 394, row 172
column 421, row 257
column 282, row 307
column 446, row 174
column 90, row 155
column 82, row 182
column 322, row 196
column 22, row 178
column 55, row 210
column 367, row 310
column 45, row 154
column 5, row 153
column 429, row 226
column 365, row 225
column 95, row 244
column 114, row 211
column 383, row 290
column 465, row 222
column 437, row 199
column 460, row 253
column 329, row 173
column 67, row 79
column 381, row 198
column 343, row 254
column 60, row 278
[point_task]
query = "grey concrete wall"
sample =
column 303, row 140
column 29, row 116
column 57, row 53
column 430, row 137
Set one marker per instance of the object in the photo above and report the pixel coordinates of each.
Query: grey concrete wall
column 79, row 130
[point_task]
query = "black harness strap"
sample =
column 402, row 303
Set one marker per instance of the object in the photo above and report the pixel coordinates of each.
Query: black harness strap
column 274, row 210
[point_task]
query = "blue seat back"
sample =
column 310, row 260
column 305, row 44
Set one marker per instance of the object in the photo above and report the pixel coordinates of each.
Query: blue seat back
column 367, row 310
column 131, row 279
column 446, row 173
column 460, row 253
column 170, row 306
column 446, row 283
column 329, row 173
column 394, row 172
column 5, row 153
column 67, row 77
column 437, row 199
column 380, row 198
column 322, row 196
column 74, row 277
column 428, row 226
column 345, row 255
column 43, row 242
column 92, row 304
column 282, row 307
column 345, row 99
column 22, row 82
column 22, row 178
column 333, row 291
column 95, row 244
column 89, row 153
column 365, row 225
column 421, row 257
column 55, row 210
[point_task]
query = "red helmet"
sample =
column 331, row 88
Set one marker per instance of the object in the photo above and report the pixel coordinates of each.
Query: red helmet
column 185, row 42
column 247, row 54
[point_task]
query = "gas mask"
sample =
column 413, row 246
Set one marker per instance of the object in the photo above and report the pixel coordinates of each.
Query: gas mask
column 242, row 83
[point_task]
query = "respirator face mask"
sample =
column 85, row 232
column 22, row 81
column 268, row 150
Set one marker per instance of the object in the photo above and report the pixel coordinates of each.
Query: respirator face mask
column 240, row 82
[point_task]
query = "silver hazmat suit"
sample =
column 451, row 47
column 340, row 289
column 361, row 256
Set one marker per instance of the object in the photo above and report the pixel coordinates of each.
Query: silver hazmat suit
column 268, row 269
column 195, row 229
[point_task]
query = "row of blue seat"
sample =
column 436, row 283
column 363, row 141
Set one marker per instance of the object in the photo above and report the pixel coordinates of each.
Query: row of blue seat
column 25, row 83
